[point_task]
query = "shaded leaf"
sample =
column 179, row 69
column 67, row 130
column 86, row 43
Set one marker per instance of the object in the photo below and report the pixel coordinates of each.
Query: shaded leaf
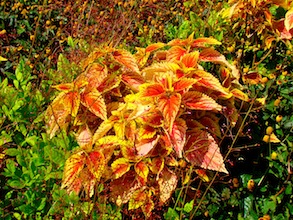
column 167, row 184
column 157, row 165
column 138, row 199
column 83, row 135
column 240, row 95
column 202, row 150
column 146, row 145
column 178, row 136
column 132, row 79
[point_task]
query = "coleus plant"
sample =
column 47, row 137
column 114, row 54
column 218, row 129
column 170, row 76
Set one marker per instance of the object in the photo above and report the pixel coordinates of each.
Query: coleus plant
column 137, row 117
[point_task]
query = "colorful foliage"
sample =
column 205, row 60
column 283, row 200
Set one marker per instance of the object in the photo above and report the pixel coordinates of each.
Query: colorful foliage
column 136, row 119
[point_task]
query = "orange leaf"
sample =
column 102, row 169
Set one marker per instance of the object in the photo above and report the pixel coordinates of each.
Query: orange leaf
column 169, row 106
column 142, row 170
column 198, row 101
column 73, row 166
column 202, row 150
column 128, row 151
column 154, row 47
column 148, row 207
column 167, row 184
column 141, row 56
column 240, row 95
column 190, row 59
column 94, row 101
column 152, row 90
column 289, row 20
column 96, row 163
column 120, row 167
column 205, row 41
column 202, row 174
column 126, row 59
column 66, row 87
column 88, row 182
column 71, row 102
column 132, row 79
column 207, row 80
column 211, row 55
column 178, row 136
column 184, row 84
column 156, row 69
column 279, row 26
column 146, row 132
column 175, row 53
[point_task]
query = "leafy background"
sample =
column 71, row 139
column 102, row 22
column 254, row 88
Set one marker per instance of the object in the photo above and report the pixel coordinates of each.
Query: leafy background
column 41, row 44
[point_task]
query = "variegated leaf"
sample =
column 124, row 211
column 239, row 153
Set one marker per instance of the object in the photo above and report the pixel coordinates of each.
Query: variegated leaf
column 289, row 19
column 96, row 163
column 126, row 59
column 146, row 145
column 199, row 101
column 178, row 136
column 142, row 170
column 138, row 199
column 167, row 184
column 190, row 59
column 202, row 150
column 120, row 167
column 204, row 42
column 175, row 53
column 94, row 101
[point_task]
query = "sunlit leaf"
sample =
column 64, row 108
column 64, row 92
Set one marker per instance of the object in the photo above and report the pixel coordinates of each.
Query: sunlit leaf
column 128, row 151
column 190, row 59
column 207, row 80
column 202, row 150
column 175, row 53
column 198, row 101
column 104, row 127
column 109, row 83
column 169, row 106
column 202, row 174
column 73, row 166
column 146, row 145
column 2, row 59
column 204, row 42
column 157, row 69
column 157, row 165
column 94, row 101
column 146, row 132
column 184, row 84
column 211, row 55
column 96, row 163
column 71, row 102
column 120, row 167
column 281, row 30
column 66, row 87
column 289, row 19
column 273, row 138
column 141, row 56
column 125, row 58
column 132, row 79
column 142, row 169
column 167, row 184
column 240, row 95
column 154, row 47
column 152, row 90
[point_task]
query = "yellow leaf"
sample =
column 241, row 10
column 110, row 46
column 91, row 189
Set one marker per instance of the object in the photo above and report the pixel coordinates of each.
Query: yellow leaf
column 120, row 167
column 142, row 170
column 2, row 59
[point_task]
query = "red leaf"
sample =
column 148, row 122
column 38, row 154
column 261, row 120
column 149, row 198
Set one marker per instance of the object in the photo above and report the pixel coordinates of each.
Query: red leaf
column 198, row 101
column 178, row 136
column 94, row 101
column 66, row 87
column 281, row 30
column 167, row 184
column 152, row 90
column 109, row 83
column 125, row 58
column 142, row 170
column 175, row 53
column 202, row 150
column 73, row 166
column 169, row 106
column 157, row 165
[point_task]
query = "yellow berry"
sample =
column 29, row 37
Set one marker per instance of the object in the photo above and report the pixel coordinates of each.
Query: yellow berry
column 235, row 182
column 264, row 80
column 279, row 118
column 32, row 37
column 245, row 70
column 274, row 155
column 284, row 73
column 250, row 185
column 269, row 130
column 266, row 138
column 48, row 22
column 277, row 102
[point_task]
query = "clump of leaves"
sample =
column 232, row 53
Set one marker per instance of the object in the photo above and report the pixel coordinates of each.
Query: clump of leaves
column 136, row 116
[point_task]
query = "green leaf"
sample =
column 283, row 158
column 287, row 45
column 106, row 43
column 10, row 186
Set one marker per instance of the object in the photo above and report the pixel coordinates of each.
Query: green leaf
column 16, row 184
column 10, row 164
column 17, row 215
column 70, row 42
column 248, row 206
column 288, row 190
column 269, row 205
column 42, row 204
column 171, row 214
column 5, row 138
column 188, row 206
column 12, row 152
